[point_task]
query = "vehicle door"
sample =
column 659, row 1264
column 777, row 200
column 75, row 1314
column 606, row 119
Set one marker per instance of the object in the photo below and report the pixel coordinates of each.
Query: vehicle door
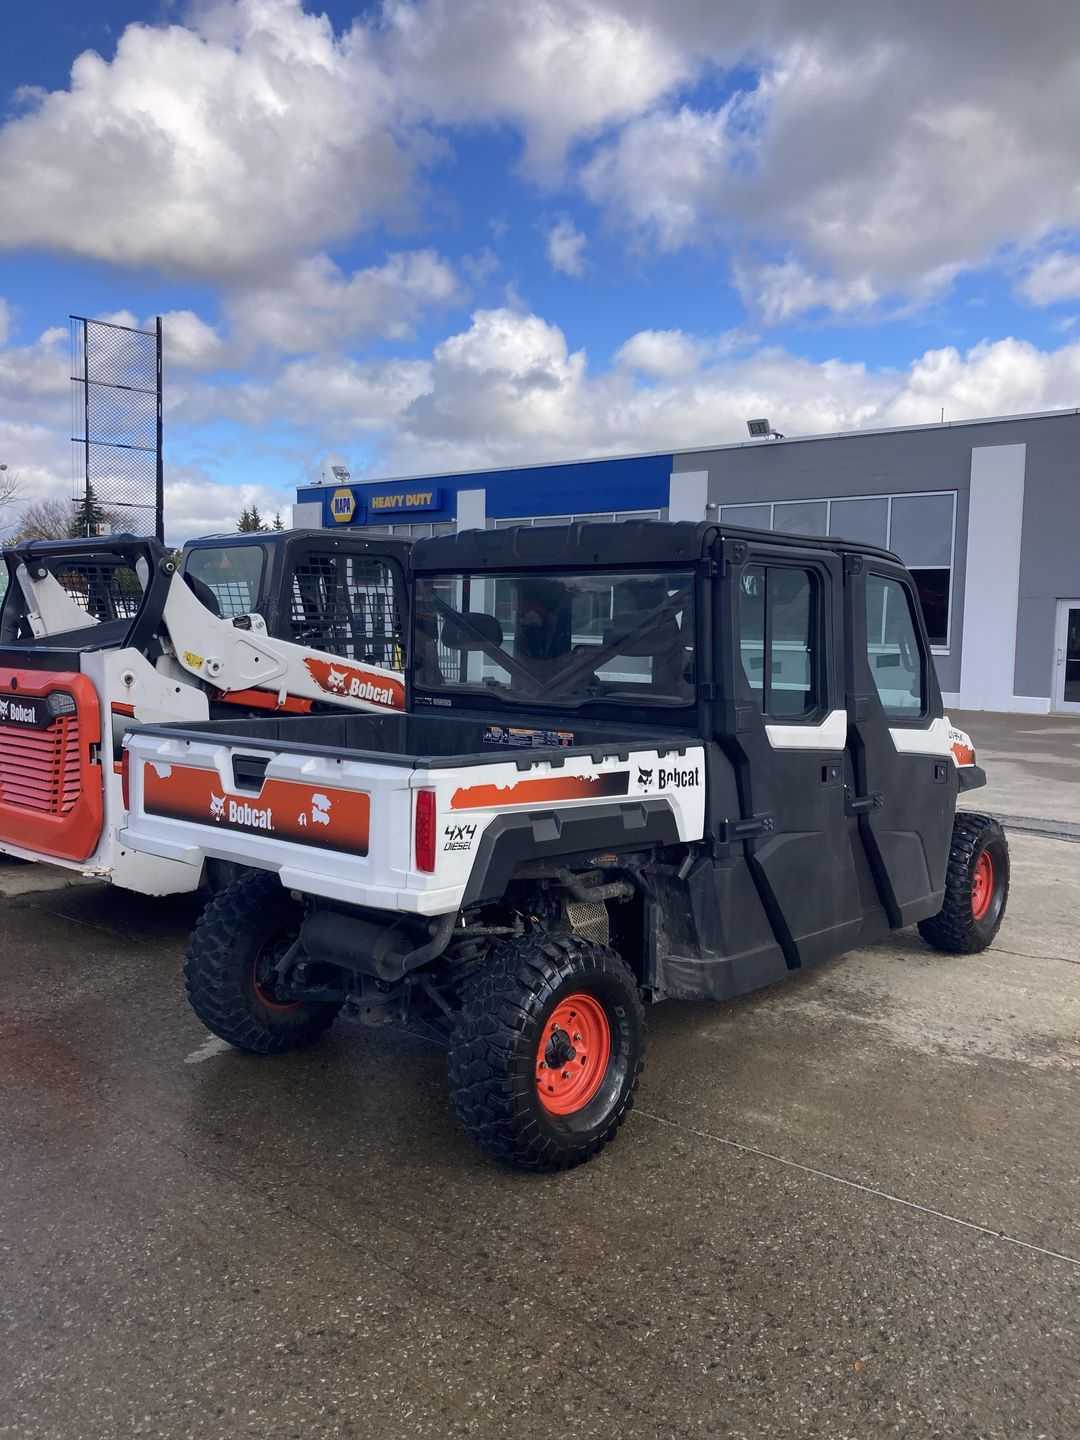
column 905, row 781
column 789, row 723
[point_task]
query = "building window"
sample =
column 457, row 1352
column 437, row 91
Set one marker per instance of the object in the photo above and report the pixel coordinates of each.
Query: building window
column 594, row 519
column 802, row 517
column 921, row 528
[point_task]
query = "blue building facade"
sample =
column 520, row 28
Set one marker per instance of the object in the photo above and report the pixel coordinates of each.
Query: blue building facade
column 638, row 486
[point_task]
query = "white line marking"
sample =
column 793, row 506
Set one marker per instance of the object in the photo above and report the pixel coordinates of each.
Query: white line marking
column 210, row 1047
column 856, row 1185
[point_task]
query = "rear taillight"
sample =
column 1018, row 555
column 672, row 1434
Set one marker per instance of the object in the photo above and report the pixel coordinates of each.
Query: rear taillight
column 424, row 831
column 125, row 778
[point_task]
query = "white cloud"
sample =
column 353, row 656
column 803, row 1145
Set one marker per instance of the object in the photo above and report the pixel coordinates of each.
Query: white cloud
column 558, row 70
column 189, row 342
column 510, row 390
column 197, row 504
column 666, row 354
column 1055, row 278
column 784, row 289
column 314, row 306
column 252, row 135
column 566, row 248
column 880, row 156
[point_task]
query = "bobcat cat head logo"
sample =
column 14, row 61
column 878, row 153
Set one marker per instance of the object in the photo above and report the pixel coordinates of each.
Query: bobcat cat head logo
column 217, row 805
column 644, row 777
column 336, row 679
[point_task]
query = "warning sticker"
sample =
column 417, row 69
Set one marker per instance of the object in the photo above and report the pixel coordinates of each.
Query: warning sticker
column 521, row 738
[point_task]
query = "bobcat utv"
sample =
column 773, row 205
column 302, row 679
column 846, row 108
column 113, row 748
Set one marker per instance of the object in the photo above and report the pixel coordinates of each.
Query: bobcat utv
column 641, row 761
column 98, row 634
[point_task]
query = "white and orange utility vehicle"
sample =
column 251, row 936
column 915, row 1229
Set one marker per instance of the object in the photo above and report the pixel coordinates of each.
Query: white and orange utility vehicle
column 641, row 761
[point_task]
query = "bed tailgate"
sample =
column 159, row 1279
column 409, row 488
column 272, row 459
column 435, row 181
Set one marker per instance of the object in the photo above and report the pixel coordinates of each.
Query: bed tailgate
column 336, row 828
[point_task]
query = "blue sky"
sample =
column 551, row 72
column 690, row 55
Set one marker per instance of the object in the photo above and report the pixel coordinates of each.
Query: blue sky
column 429, row 234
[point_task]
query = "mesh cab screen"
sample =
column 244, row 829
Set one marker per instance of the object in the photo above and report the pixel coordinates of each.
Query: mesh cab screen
column 107, row 589
column 349, row 605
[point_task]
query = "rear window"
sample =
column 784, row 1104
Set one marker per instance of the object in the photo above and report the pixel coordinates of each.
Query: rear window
column 232, row 573
column 558, row 639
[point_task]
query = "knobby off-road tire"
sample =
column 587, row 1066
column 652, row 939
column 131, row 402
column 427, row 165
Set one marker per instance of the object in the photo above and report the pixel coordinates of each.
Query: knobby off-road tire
column 547, row 1050
column 230, row 958
column 976, row 888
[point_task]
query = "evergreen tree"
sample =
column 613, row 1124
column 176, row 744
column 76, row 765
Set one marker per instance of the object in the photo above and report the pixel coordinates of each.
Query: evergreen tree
column 279, row 524
column 87, row 514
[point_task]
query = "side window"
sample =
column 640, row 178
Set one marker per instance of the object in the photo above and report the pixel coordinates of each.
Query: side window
column 779, row 639
column 893, row 647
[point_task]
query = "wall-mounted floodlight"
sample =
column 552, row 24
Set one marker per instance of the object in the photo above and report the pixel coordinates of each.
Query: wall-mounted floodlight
column 762, row 430
column 340, row 474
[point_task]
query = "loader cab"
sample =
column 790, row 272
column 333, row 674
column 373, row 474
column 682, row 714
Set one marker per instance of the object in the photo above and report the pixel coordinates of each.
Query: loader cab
column 345, row 594
column 73, row 596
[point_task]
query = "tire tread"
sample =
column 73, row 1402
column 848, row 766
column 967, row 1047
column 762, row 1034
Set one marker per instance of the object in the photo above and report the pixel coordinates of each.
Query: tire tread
column 517, row 982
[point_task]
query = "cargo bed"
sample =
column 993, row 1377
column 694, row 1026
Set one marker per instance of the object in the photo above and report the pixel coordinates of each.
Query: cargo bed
column 332, row 802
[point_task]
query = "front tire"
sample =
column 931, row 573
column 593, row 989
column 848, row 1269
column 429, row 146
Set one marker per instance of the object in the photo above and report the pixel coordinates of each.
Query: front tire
column 976, row 888
column 547, row 1051
column 229, row 965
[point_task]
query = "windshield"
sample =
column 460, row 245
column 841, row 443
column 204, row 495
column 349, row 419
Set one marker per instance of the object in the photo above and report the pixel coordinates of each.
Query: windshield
column 558, row 639
column 232, row 573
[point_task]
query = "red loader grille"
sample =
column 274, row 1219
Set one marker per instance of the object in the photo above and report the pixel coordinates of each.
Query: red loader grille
column 52, row 790
column 40, row 769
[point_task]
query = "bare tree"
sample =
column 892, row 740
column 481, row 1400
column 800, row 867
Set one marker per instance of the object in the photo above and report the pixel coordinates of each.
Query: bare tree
column 9, row 486
column 45, row 520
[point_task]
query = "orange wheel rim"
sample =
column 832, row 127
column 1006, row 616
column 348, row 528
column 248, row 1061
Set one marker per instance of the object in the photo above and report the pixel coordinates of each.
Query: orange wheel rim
column 265, row 996
column 982, row 886
column 573, row 1054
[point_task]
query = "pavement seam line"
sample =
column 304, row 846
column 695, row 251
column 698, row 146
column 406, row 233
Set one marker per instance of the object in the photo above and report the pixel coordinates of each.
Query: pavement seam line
column 1027, row 955
column 856, row 1185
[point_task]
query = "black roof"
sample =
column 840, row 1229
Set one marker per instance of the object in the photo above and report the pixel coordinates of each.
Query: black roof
column 606, row 543
column 349, row 540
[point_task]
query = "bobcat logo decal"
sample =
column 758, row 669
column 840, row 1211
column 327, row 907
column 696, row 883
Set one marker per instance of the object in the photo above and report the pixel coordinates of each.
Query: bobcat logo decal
column 644, row 777
column 336, row 679
column 217, row 806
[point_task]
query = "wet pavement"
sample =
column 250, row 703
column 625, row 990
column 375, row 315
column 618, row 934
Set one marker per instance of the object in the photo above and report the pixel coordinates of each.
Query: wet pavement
column 849, row 1206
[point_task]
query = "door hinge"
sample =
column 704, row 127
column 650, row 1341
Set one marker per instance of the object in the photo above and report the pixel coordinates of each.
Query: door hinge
column 728, row 832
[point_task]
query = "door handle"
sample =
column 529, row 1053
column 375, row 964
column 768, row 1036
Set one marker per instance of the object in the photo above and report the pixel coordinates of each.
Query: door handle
column 1060, row 656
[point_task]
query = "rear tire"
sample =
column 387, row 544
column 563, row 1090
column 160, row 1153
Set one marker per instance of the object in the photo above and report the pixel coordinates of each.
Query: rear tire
column 230, row 958
column 976, row 888
column 547, row 1051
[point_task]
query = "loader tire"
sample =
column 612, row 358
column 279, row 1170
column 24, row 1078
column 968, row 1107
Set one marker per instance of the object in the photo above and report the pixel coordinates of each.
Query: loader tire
column 547, row 1050
column 976, row 888
column 227, row 971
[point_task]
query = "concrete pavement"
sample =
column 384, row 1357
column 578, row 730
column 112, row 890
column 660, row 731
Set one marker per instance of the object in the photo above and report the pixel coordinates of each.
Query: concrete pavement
column 1032, row 763
column 849, row 1206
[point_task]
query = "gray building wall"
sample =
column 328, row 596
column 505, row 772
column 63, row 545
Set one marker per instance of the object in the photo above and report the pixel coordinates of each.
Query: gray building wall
column 936, row 458
column 1050, row 545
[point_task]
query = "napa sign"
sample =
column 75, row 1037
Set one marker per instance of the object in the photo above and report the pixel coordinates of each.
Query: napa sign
column 405, row 502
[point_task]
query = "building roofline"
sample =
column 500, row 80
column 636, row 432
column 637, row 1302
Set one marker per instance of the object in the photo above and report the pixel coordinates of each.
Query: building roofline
column 696, row 449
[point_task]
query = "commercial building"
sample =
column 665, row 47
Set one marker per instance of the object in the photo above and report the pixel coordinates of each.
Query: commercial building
column 985, row 513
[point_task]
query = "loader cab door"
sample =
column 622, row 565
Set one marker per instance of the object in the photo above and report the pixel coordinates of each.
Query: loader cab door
column 903, row 778
column 781, row 613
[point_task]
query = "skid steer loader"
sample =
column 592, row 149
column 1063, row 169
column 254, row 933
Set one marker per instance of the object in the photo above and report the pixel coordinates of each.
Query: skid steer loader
column 98, row 635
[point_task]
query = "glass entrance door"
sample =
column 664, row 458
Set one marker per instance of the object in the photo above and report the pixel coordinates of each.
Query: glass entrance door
column 1067, row 657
